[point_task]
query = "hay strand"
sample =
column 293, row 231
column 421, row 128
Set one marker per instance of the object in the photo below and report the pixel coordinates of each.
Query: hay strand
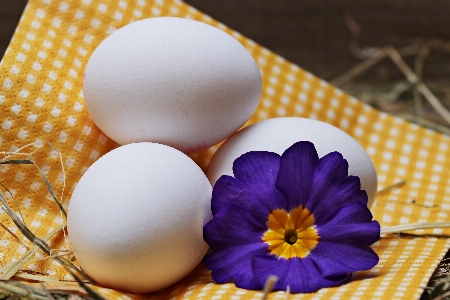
column 391, row 187
column 268, row 286
column 12, row 268
column 11, row 289
column 414, row 226
column 42, row 245
column 15, row 288
column 14, row 236
column 418, row 47
column 90, row 291
column 34, row 277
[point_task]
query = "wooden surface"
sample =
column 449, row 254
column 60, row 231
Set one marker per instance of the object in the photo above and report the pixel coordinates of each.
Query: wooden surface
column 10, row 12
column 312, row 33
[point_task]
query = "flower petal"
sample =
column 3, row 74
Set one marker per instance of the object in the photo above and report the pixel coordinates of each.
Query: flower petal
column 344, row 241
column 232, row 256
column 339, row 194
column 352, row 224
column 226, row 191
column 264, row 182
column 311, row 278
column 352, row 213
column 265, row 266
column 301, row 275
column 253, row 185
column 296, row 172
column 334, row 259
column 235, row 263
column 331, row 170
column 232, row 226
column 364, row 234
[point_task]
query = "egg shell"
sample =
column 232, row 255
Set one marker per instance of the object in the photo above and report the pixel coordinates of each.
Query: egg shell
column 174, row 81
column 278, row 134
column 136, row 217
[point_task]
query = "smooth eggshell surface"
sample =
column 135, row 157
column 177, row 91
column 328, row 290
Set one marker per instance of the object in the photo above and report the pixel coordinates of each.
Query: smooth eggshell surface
column 173, row 81
column 278, row 134
column 136, row 217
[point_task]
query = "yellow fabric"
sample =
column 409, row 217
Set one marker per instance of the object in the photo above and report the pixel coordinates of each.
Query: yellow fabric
column 41, row 102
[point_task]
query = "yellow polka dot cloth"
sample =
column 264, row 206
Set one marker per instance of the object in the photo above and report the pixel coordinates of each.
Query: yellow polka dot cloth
column 41, row 103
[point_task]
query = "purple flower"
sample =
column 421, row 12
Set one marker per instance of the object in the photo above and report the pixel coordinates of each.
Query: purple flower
column 295, row 216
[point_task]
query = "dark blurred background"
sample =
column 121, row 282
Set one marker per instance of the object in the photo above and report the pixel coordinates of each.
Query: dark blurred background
column 10, row 13
column 314, row 35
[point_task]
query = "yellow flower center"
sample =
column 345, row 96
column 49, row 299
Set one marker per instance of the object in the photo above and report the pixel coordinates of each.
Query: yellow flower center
column 291, row 234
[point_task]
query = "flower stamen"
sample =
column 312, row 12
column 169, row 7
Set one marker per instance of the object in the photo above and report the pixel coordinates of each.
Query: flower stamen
column 291, row 234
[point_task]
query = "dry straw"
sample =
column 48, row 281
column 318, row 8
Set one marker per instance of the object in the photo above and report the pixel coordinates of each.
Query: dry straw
column 14, row 269
column 375, row 94
column 64, row 257
column 419, row 49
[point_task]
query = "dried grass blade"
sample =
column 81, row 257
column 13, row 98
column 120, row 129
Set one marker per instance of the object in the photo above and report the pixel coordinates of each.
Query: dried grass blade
column 39, row 278
column 14, row 200
column 418, row 69
column 69, row 264
column 288, row 293
column 426, row 123
column 47, row 182
column 392, row 186
column 35, row 240
column 88, row 290
column 423, row 89
column 14, row 236
column 355, row 31
column 50, row 189
column 442, row 297
column 17, row 162
column 12, row 268
column 65, row 287
column 358, row 69
column 21, row 226
column 49, row 296
column 23, row 290
column 17, row 152
column 435, row 103
column 415, row 226
column 268, row 286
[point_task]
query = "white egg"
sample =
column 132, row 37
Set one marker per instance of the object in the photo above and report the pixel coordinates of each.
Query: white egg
column 136, row 217
column 173, row 81
column 276, row 135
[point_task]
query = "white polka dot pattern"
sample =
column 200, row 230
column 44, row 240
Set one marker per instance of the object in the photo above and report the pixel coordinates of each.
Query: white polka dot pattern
column 41, row 102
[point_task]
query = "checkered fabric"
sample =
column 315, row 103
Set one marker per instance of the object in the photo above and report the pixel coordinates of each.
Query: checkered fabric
column 41, row 102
